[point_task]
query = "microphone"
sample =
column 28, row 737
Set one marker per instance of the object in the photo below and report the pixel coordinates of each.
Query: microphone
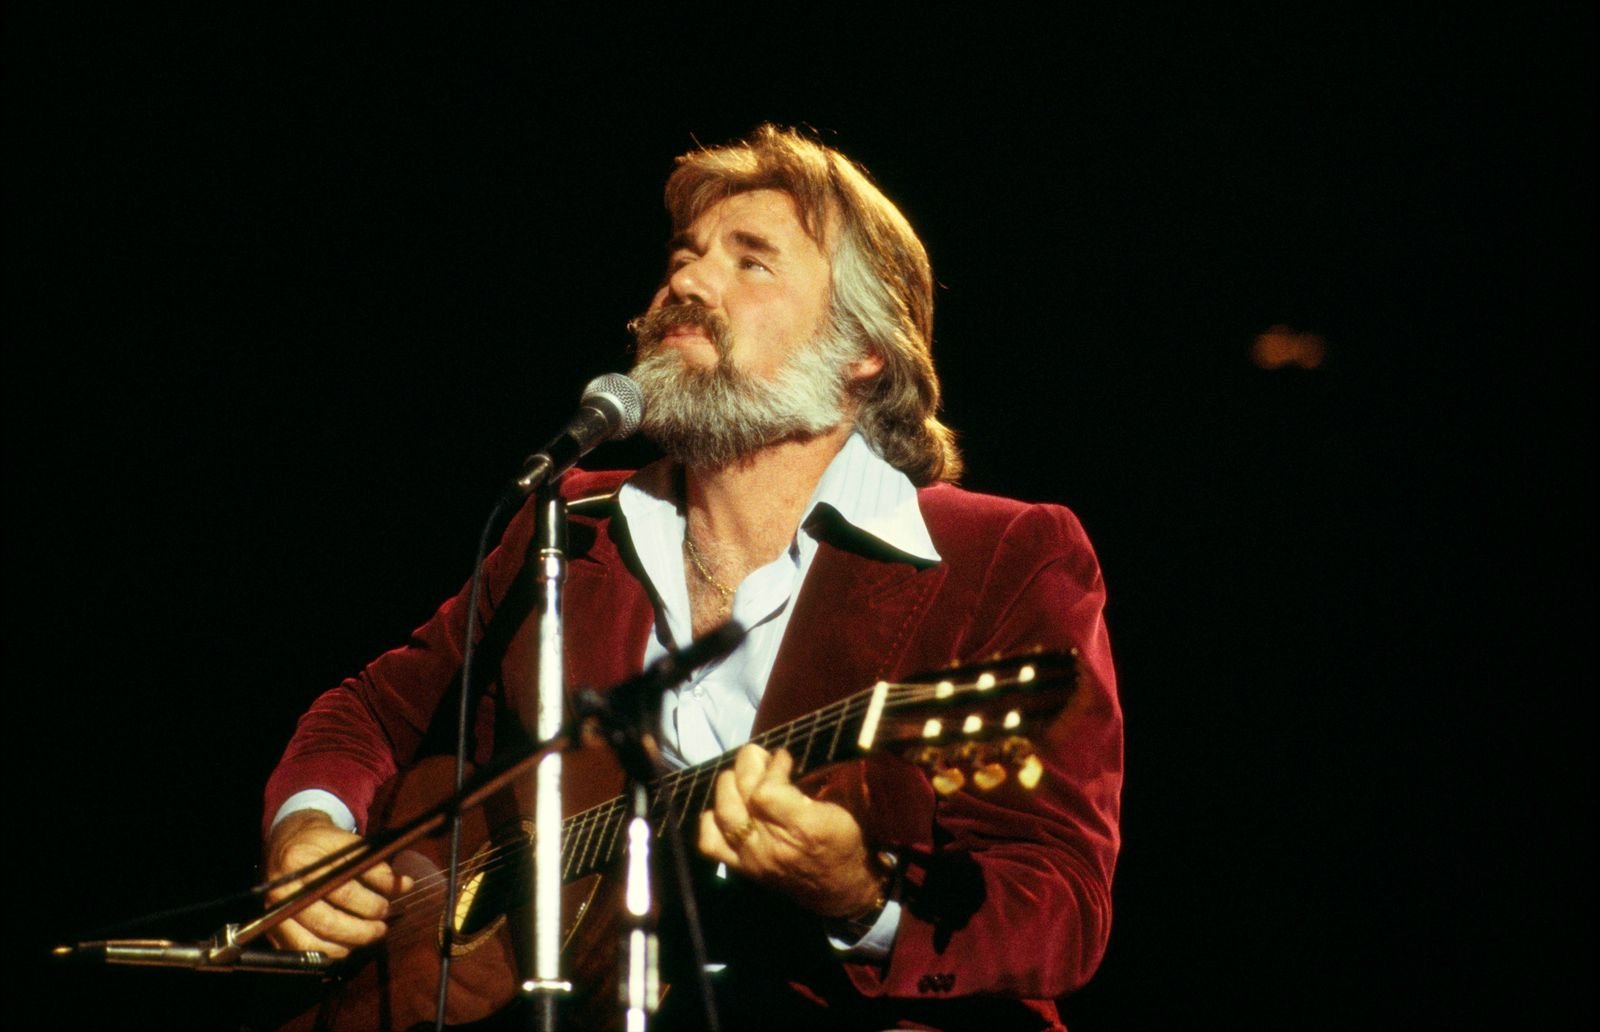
column 609, row 410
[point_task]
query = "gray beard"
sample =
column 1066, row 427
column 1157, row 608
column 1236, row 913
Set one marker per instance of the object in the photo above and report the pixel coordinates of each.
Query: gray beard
column 709, row 418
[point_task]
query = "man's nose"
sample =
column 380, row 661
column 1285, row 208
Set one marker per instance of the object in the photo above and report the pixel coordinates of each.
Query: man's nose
column 695, row 281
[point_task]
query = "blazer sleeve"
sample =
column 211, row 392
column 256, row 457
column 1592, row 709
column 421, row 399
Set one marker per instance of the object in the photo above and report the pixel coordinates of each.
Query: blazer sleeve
column 1012, row 895
column 361, row 733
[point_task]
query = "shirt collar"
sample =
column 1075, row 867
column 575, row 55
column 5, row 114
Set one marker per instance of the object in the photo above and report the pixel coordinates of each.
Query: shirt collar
column 874, row 498
column 863, row 489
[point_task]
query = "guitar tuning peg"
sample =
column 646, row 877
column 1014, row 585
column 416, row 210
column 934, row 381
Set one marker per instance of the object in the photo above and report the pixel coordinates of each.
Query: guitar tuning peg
column 1031, row 771
column 988, row 776
column 948, row 781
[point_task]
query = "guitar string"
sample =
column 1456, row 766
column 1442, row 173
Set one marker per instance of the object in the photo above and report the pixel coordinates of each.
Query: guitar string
column 605, row 815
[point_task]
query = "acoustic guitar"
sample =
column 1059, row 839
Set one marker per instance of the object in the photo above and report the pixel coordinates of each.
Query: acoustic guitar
column 963, row 728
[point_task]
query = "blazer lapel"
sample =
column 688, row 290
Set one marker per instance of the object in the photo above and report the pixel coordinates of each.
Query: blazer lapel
column 607, row 613
column 851, row 623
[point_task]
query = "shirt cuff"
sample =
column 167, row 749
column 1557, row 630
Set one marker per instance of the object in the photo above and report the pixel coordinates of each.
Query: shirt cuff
column 878, row 941
column 316, row 799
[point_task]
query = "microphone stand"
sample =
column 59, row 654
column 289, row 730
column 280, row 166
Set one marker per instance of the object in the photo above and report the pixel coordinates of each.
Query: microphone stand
column 624, row 716
column 550, row 539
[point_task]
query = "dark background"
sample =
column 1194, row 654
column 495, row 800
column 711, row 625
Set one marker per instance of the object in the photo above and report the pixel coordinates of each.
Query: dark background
column 293, row 294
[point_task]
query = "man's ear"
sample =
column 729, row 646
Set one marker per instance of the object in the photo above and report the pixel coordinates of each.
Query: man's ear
column 866, row 367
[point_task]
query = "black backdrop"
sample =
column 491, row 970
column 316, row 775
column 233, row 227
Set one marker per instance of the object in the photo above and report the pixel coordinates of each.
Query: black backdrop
column 291, row 295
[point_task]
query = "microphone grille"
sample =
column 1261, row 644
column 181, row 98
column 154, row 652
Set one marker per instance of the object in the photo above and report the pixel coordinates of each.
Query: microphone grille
column 624, row 394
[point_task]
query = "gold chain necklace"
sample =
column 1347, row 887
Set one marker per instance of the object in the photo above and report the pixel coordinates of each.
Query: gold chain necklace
column 705, row 574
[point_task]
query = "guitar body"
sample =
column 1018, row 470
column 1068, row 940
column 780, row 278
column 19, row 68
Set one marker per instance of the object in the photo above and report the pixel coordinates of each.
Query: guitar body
column 393, row 984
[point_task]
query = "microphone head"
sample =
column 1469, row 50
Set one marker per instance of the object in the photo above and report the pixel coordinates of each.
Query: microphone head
column 619, row 395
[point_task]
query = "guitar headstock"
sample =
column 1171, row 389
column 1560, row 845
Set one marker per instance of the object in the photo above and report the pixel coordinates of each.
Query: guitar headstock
column 972, row 719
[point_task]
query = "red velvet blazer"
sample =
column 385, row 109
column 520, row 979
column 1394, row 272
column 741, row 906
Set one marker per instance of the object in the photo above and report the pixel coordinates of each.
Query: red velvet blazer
column 1033, row 919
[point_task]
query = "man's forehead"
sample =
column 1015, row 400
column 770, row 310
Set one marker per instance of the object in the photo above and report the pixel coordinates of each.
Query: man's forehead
column 766, row 214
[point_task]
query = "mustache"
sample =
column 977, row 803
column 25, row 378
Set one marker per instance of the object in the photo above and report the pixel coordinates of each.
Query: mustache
column 651, row 328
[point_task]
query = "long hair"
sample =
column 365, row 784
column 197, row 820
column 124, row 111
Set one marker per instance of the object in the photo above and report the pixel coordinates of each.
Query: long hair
column 882, row 284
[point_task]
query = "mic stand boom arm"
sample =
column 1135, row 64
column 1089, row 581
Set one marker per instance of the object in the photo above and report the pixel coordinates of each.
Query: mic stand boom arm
column 229, row 949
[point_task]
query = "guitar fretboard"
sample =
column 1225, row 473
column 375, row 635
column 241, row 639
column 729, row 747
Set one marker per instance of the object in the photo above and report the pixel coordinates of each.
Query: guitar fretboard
column 593, row 839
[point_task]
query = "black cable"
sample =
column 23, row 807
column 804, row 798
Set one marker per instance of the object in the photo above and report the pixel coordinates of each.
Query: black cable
column 463, row 722
column 691, row 917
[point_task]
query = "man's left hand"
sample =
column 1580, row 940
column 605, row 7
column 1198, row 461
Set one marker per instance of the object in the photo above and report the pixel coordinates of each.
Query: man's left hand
column 766, row 829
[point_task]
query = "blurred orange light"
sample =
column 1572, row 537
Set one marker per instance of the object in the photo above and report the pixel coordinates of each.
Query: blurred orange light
column 1281, row 346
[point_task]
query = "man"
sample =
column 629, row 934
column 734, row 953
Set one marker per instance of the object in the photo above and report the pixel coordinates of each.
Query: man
column 786, row 365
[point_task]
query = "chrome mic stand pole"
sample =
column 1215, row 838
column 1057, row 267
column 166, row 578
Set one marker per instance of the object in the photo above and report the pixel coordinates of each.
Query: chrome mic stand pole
column 550, row 538
column 624, row 715
column 641, row 981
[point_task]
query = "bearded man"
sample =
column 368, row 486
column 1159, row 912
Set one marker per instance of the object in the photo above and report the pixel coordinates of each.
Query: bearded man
column 806, row 494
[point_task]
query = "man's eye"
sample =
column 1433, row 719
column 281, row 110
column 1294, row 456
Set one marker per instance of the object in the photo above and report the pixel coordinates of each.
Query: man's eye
column 750, row 263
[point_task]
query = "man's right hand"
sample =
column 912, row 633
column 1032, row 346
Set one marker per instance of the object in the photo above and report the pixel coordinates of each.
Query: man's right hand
column 349, row 916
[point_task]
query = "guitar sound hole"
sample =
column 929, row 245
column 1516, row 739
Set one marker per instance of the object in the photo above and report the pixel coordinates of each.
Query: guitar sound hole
column 494, row 881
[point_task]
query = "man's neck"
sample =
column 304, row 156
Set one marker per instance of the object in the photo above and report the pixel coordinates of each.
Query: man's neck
column 745, row 514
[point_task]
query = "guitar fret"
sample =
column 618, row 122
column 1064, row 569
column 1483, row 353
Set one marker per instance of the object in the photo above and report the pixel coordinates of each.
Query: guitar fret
column 594, row 825
column 681, row 802
column 682, row 791
column 569, row 842
column 572, row 848
column 804, row 760
column 594, row 850
column 833, row 744
column 704, row 788
column 821, row 720
column 594, row 836
column 688, row 794
column 616, row 842
column 661, row 801
column 688, row 791
column 575, row 836
column 569, row 846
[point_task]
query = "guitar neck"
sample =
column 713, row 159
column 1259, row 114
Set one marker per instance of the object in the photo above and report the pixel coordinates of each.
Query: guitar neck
column 974, row 703
column 592, row 840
